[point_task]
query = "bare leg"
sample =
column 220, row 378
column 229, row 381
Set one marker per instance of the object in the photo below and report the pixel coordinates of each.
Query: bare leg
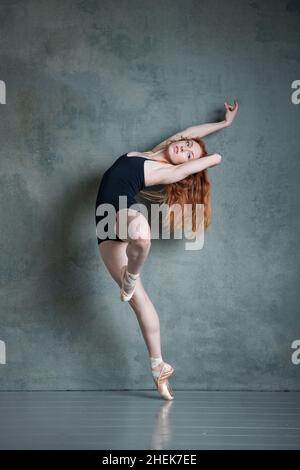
column 138, row 238
column 137, row 252
column 114, row 257
column 148, row 319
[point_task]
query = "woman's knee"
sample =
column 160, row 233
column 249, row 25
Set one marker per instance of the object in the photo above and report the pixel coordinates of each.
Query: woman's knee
column 141, row 244
column 139, row 229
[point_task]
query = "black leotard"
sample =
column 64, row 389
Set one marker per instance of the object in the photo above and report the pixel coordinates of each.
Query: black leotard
column 125, row 177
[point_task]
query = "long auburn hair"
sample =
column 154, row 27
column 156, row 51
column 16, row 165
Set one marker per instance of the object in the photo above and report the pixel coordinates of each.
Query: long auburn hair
column 194, row 189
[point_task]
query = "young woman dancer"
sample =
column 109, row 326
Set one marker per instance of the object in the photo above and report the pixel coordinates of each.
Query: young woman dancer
column 180, row 164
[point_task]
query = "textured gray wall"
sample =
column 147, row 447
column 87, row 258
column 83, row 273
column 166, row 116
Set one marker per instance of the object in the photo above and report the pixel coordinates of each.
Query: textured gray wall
column 89, row 80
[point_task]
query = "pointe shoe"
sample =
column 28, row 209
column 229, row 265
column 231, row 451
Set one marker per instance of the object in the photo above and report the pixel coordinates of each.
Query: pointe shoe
column 162, row 383
column 125, row 296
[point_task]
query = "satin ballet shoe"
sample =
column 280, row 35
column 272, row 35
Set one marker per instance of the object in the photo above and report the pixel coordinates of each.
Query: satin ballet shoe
column 125, row 296
column 162, row 383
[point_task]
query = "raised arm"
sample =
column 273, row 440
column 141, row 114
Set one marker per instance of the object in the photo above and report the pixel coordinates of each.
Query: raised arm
column 168, row 174
column 202, row 130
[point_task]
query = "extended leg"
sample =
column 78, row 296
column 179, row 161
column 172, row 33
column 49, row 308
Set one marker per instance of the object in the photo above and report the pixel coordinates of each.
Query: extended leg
column 114, row 257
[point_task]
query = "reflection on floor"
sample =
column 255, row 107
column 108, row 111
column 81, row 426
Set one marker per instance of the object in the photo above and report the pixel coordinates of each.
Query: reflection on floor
column 142, row 420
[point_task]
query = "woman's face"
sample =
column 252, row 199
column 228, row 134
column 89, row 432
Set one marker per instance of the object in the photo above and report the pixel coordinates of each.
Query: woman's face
column 184, row 151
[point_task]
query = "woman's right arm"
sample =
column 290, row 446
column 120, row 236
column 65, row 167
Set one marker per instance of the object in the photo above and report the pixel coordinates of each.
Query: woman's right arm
column 168, row 174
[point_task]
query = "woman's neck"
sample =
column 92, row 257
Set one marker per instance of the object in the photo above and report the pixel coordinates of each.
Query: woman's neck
column 159, row 156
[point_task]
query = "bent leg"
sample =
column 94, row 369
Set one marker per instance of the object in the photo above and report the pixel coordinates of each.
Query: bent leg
column 138, row 237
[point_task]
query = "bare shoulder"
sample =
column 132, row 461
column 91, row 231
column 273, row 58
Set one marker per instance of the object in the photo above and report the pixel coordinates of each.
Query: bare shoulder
column 155, row 172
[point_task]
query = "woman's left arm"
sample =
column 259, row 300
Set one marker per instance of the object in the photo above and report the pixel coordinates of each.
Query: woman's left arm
column 205, row 129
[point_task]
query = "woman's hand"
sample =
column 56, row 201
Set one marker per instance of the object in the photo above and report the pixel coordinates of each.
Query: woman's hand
column 217, row 158
column 231, row 111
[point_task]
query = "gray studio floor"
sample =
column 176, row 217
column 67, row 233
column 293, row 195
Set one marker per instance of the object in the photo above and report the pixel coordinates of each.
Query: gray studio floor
column 141, row 420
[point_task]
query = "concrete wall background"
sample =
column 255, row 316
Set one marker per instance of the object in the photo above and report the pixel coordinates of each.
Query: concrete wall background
column 89, row 80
